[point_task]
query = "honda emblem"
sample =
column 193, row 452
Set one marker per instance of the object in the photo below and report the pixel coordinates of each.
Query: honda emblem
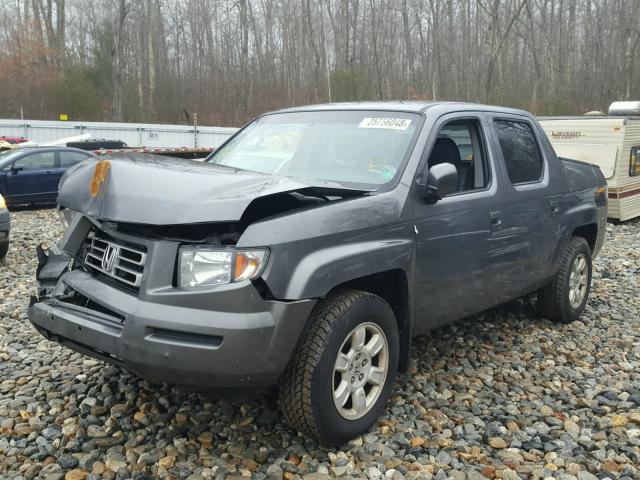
column 109, row 258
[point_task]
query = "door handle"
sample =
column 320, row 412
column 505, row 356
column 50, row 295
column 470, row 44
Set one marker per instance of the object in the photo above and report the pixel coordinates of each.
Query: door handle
column 555, row 206
column 496, row 220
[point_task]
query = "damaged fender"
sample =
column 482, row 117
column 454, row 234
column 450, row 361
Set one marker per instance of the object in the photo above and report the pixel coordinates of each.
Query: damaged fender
column 338, row 244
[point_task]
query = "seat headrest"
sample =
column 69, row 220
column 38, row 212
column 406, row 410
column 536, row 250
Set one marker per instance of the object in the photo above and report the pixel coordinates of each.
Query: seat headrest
column 444, row 151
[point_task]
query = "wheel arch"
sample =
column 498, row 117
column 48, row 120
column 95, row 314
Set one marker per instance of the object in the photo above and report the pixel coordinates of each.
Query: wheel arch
column 393, row 287
column 589, row 232
column 581, row 221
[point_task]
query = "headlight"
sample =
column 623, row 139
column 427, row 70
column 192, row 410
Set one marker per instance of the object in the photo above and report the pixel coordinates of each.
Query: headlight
column 206, row 266
column 3, row 204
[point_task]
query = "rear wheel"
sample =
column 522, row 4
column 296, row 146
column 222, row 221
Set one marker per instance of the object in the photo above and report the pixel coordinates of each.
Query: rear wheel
column 339, row 379
column 4, row 249
column 565, row 298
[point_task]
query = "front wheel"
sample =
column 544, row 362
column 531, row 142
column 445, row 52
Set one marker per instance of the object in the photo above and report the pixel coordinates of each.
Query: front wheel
column 340, row 376
column 565, row 298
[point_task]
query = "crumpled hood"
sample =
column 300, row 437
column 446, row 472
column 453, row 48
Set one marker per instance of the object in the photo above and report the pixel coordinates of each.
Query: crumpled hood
column 156, row 190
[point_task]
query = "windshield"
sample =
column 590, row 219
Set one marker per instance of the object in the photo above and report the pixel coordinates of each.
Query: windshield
column 363, row 148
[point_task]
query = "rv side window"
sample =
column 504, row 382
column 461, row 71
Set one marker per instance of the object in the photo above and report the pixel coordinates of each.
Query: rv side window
column 634, row 161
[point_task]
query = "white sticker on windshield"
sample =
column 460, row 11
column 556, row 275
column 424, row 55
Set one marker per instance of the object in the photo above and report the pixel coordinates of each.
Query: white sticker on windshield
column 388, row 123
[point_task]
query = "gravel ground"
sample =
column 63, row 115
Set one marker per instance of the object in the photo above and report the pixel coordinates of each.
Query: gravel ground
column 502, row 395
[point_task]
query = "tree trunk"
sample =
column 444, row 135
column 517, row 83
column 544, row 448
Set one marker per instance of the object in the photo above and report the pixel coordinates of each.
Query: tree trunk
column 116, row 59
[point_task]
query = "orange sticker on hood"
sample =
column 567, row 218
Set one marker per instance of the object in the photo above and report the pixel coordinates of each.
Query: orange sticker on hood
column 99, row 177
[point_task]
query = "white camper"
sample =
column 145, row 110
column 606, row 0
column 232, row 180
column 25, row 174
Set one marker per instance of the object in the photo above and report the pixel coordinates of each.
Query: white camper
column 610, row 141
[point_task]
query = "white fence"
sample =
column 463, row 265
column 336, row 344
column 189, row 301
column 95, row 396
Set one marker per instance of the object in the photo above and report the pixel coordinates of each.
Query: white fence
column 133, row 134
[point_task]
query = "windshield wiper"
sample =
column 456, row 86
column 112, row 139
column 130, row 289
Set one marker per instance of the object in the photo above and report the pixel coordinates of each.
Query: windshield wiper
column 337, row 191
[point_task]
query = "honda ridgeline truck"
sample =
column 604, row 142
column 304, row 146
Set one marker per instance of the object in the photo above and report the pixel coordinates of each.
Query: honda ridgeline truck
column 310, row 248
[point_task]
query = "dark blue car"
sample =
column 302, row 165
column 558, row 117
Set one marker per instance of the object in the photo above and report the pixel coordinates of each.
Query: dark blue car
column 31, row 175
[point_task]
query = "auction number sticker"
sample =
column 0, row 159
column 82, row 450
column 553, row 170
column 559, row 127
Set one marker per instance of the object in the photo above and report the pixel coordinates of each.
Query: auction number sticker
column 388, row 123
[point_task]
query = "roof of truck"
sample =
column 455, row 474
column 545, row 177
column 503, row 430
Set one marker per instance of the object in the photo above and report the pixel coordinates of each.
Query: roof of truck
column 403, row 106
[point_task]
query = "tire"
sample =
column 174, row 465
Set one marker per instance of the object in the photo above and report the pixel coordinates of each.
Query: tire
column 306, row 390
column 556, row 301
column 4, row 249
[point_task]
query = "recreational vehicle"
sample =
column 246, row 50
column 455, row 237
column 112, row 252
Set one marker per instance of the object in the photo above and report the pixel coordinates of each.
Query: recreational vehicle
column 610, row 141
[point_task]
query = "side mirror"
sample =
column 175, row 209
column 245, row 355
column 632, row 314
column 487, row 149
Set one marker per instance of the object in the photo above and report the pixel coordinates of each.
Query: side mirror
column 442, row 180
column 15, row 170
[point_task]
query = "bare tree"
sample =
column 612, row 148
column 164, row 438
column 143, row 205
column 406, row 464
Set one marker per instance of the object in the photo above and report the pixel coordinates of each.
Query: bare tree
column 228, row 60
column 117, row 52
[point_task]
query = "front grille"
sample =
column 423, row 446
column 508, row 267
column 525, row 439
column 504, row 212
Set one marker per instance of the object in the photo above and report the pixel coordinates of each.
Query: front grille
column 117, row 260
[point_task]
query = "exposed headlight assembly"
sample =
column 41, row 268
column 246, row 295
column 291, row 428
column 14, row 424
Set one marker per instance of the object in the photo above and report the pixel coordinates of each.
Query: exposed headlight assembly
column 207, row 266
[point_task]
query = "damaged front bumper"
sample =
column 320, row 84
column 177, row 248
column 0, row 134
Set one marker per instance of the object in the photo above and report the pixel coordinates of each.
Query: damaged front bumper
column 228, row 337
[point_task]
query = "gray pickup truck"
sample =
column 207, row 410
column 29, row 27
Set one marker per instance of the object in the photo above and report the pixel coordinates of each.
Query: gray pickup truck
column 308, row 250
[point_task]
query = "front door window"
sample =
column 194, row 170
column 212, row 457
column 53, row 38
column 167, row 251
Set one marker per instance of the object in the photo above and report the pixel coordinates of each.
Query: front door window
column 36, row 161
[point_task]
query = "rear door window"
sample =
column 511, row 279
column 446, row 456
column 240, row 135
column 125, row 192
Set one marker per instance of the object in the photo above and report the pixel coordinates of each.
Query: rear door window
column 520, row 151
column 69, row 159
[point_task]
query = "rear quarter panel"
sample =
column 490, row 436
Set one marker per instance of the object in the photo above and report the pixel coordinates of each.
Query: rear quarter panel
column 585, row 199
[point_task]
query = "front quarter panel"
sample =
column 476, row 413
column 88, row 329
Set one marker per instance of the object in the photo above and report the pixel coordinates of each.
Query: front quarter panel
column 315, row 250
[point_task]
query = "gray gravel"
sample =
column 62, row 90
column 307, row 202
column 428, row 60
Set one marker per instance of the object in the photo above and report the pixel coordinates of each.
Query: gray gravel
column 502, row 395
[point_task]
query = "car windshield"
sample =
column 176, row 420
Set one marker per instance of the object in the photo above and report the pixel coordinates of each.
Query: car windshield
column 353, row 148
